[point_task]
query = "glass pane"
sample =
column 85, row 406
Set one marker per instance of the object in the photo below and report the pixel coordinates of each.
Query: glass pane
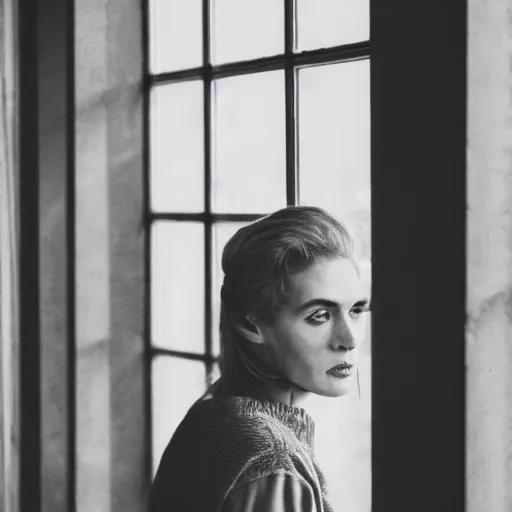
column 249, row 160
column 324, row 23
column 222, row 232
column 177, row 148
column 343, row 425
column 176, row 40
column 334, row 163
column 334, row 143
column 176, row 385
column 177, row 286
column 246, row 29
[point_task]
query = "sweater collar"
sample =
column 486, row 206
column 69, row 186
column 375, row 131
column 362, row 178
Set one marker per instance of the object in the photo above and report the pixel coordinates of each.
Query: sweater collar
column 295, row 418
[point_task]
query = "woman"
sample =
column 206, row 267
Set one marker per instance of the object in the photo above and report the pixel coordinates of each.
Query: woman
column 291, row 321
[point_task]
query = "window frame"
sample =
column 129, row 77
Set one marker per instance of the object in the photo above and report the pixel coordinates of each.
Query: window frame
column 290, row 62
column 418, row 98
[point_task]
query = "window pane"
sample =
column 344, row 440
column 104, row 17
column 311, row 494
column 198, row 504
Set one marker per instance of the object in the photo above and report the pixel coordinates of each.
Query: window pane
column 334, row 163
column 324, row 23
column 177, row 148
column 222, row 232
column 177, row 286
column 176, row 385
column 334, row 143
column 246, row 29
column 249, row 161
column 175, row 35
column 343, row 426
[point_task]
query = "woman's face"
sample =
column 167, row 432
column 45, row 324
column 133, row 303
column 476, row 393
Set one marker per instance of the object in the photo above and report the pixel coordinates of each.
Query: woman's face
column 314, row 339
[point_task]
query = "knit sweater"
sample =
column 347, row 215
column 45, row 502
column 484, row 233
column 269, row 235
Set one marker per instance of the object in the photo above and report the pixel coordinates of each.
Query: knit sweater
column 239, row 453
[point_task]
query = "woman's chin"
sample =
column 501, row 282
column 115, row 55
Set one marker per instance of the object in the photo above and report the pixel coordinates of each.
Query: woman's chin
column 339, row 387
column 330, row 386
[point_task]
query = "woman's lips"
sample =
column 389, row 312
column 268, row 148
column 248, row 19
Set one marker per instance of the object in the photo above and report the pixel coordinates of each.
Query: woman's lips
column 341, row 371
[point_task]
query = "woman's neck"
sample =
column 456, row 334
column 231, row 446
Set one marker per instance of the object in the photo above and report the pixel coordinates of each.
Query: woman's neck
column 286, row 395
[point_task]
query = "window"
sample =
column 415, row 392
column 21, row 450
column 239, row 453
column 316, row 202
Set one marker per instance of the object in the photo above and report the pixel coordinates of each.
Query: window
column 419, row 154
column 251, row 106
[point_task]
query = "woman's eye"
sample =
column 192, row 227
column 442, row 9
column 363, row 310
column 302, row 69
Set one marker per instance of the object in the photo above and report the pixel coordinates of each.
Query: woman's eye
column 319, row 317
column 358, row 311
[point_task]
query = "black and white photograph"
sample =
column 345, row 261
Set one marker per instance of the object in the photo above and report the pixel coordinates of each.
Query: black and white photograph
column 255, row 256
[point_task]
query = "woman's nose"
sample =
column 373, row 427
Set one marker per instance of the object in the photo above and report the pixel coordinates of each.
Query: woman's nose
column 344, row 338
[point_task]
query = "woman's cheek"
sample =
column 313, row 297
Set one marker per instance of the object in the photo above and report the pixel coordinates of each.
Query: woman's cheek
column 311, row 342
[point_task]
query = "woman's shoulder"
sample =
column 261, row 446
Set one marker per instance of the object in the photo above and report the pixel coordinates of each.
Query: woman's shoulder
column 225, row 442
column 234, row 430
column 238, row 421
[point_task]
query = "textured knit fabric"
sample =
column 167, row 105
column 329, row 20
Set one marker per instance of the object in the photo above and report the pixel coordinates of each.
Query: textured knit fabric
column 239, row 453
column 279, row 492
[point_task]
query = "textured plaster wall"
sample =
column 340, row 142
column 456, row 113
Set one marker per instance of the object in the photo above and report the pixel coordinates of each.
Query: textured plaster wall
column 111, row 422
column 109, row 409
column 489, row 257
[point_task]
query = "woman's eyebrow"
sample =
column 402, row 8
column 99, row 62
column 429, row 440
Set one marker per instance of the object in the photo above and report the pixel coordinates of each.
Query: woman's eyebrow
column 327, row 303
column 363, row 303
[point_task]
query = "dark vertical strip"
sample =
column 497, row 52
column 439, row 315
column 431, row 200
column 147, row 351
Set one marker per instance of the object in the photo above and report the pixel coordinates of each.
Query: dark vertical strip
column 208, row 226
column 71, row 254
column 147, row 236
column 418, row 99
column 290, row 73
column 30, row 349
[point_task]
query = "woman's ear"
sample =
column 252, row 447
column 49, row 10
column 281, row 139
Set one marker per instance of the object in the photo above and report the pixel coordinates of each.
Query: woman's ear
column 249, row 330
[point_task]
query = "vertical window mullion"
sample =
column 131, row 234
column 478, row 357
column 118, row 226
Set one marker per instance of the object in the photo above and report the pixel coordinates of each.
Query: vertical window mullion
column 292, row 185
column 207, row 186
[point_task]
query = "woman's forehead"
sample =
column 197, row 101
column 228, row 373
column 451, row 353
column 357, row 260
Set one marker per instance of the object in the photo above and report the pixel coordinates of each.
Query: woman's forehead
column 333, row 279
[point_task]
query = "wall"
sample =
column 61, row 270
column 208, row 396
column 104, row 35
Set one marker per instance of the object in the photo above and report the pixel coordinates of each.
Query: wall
column 489, row 257
column 83, row 414
column 110, row 384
